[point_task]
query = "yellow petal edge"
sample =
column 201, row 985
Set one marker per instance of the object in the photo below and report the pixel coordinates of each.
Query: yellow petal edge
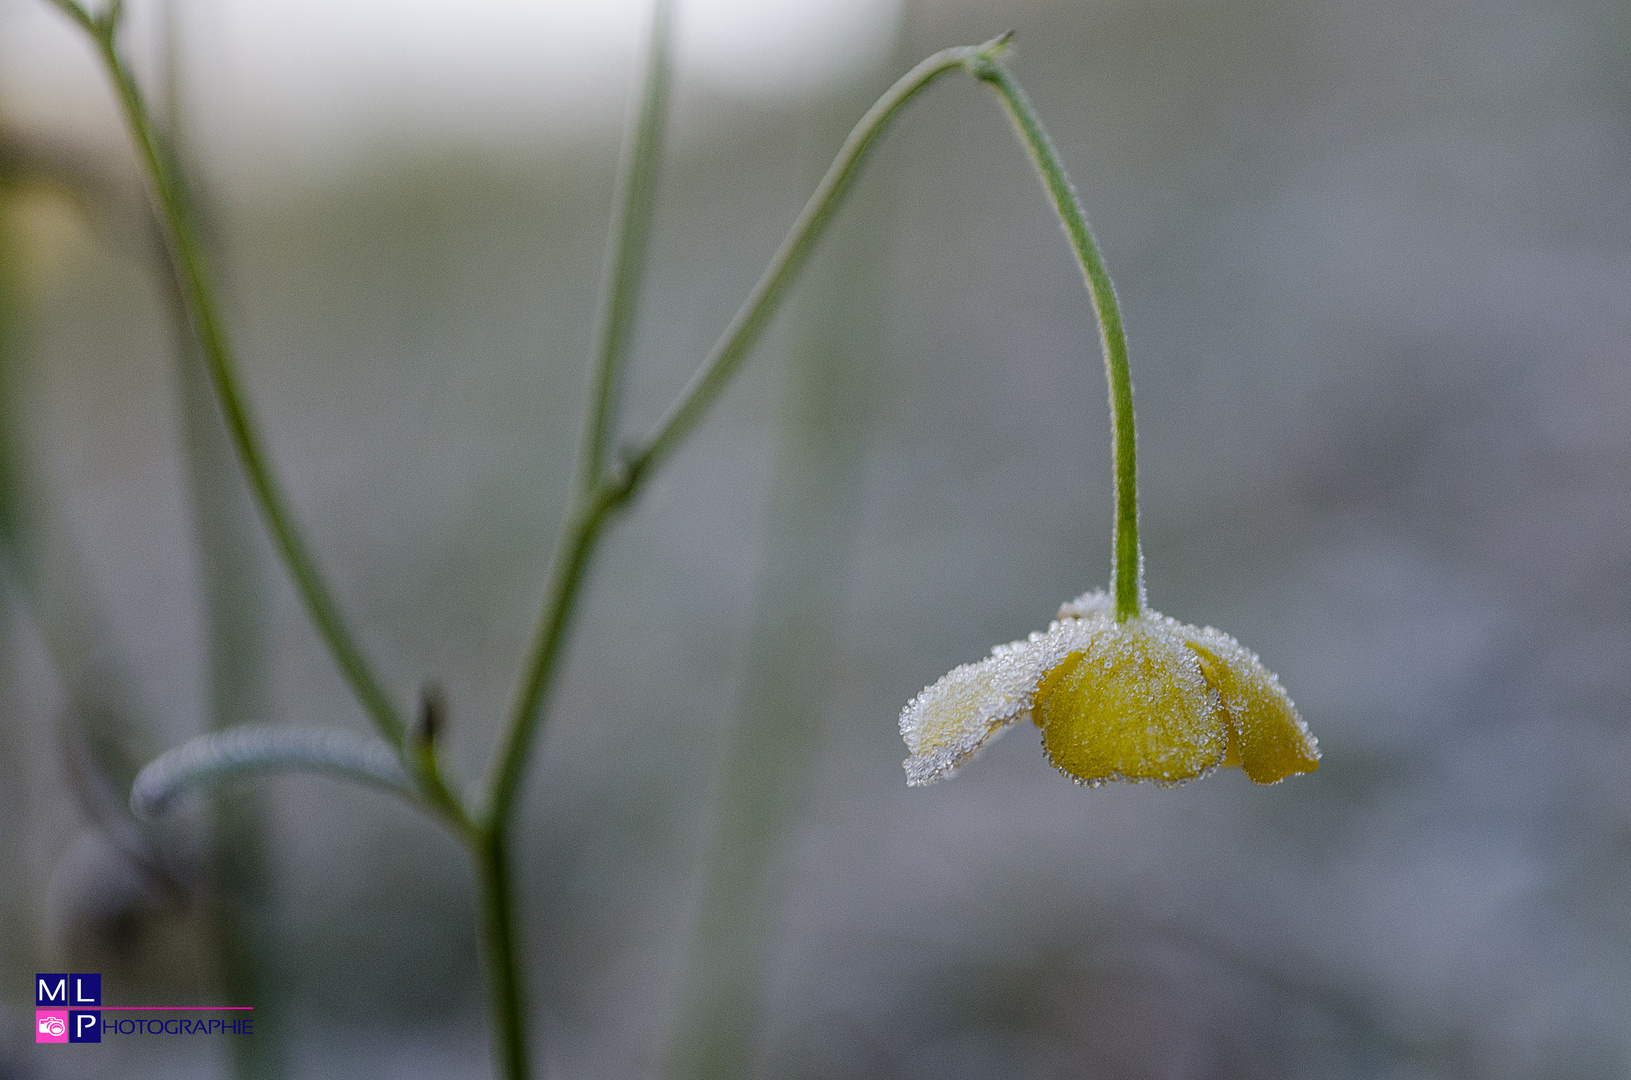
column 1267, row 739
column 1154, row 699
column 1132, row 706
column 1149, row 699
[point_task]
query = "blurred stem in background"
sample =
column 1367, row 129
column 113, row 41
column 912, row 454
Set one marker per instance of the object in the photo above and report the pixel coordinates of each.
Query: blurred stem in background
column 10, row 354
column 103, row 738
column 833, row 336
column 595, row 497
column 38, row 562
column 15, row 921
column 235, row 633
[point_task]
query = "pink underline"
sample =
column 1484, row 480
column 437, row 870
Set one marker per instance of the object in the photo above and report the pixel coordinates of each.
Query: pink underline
column 172, row 1006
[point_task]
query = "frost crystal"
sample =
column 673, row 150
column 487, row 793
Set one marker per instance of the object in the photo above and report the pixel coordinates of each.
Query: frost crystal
column 1146, row 699
column 950, row 722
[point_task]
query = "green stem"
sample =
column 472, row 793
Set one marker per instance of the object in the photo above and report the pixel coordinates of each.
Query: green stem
column 600, row 495
column 795, row 250
column 568, row 567
column 596, row 506
column 224, row 529
column 499, row 953
column 1127, row 563
column 815, row 498
column 626, row 257
column 187, row 265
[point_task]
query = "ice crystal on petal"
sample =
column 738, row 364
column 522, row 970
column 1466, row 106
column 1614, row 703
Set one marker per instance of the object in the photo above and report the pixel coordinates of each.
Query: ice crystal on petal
column 1149, row 698
column 952, row 720
column 1267, row 739
column 1089, row 605
column 1132, row 706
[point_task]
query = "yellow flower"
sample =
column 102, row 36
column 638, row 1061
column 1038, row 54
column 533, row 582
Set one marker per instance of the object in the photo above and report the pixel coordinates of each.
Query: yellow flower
column 1149, row 698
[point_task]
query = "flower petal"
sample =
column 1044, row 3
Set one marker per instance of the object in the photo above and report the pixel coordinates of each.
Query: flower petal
column 1133, row 706
column 951, row 721
column 1268, row 738
column 1090, row 605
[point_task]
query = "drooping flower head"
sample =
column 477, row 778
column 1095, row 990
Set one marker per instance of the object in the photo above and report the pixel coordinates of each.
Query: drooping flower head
column 1148, row 698
column 1120, row 692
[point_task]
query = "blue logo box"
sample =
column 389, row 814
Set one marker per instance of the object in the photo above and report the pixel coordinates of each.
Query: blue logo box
column 84, row 1027
column 79, row 990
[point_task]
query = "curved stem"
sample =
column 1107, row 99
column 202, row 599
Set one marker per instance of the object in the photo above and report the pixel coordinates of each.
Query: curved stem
column 596, row 506
column 1127, row 562
column 795, row 250
column 187, row 266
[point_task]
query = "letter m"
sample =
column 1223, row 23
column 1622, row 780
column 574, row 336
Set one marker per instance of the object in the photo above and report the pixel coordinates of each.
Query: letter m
column 50, row 990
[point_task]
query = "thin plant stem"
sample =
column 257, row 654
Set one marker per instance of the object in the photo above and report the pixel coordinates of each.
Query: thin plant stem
column 827, row 413
column 568, row 567
column 224, row 528
column 795, row 250
column 626, row 255
column 490, row 844
column 187, row 264
column 1127, row 562
column 611, row 490
column 637, row 462
column 187, row 268
column 501, row 953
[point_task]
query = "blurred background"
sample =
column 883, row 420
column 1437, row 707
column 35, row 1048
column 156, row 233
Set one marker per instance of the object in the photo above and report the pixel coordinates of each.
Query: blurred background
column 1375, row 262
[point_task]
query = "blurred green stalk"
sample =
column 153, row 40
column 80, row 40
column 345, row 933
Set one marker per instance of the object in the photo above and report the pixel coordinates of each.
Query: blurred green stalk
column 38, row 561
column 235, row 633
column 13, row 808
column 10, row 508
column 104, row 739
column 835, row 333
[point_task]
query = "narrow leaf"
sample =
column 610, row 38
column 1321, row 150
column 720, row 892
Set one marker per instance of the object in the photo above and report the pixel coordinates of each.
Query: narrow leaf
column 214, row 759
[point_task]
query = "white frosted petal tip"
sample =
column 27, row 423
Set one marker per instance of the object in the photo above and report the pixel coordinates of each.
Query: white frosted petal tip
column 1090, row 605
column 953, row 719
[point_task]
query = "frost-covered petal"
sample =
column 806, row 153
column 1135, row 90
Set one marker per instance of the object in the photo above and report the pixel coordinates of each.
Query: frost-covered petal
column 1132, row 705
column 1090, row 605
column 1269, row 741
column 952, row 720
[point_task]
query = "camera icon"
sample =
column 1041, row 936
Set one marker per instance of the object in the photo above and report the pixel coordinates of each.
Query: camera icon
column 51, row 1026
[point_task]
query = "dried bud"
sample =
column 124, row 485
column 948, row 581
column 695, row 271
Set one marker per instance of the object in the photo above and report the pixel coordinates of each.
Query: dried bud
column 432, row 718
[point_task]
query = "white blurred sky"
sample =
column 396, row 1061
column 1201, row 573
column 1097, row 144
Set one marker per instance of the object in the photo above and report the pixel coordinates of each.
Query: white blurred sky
column 285, row 83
